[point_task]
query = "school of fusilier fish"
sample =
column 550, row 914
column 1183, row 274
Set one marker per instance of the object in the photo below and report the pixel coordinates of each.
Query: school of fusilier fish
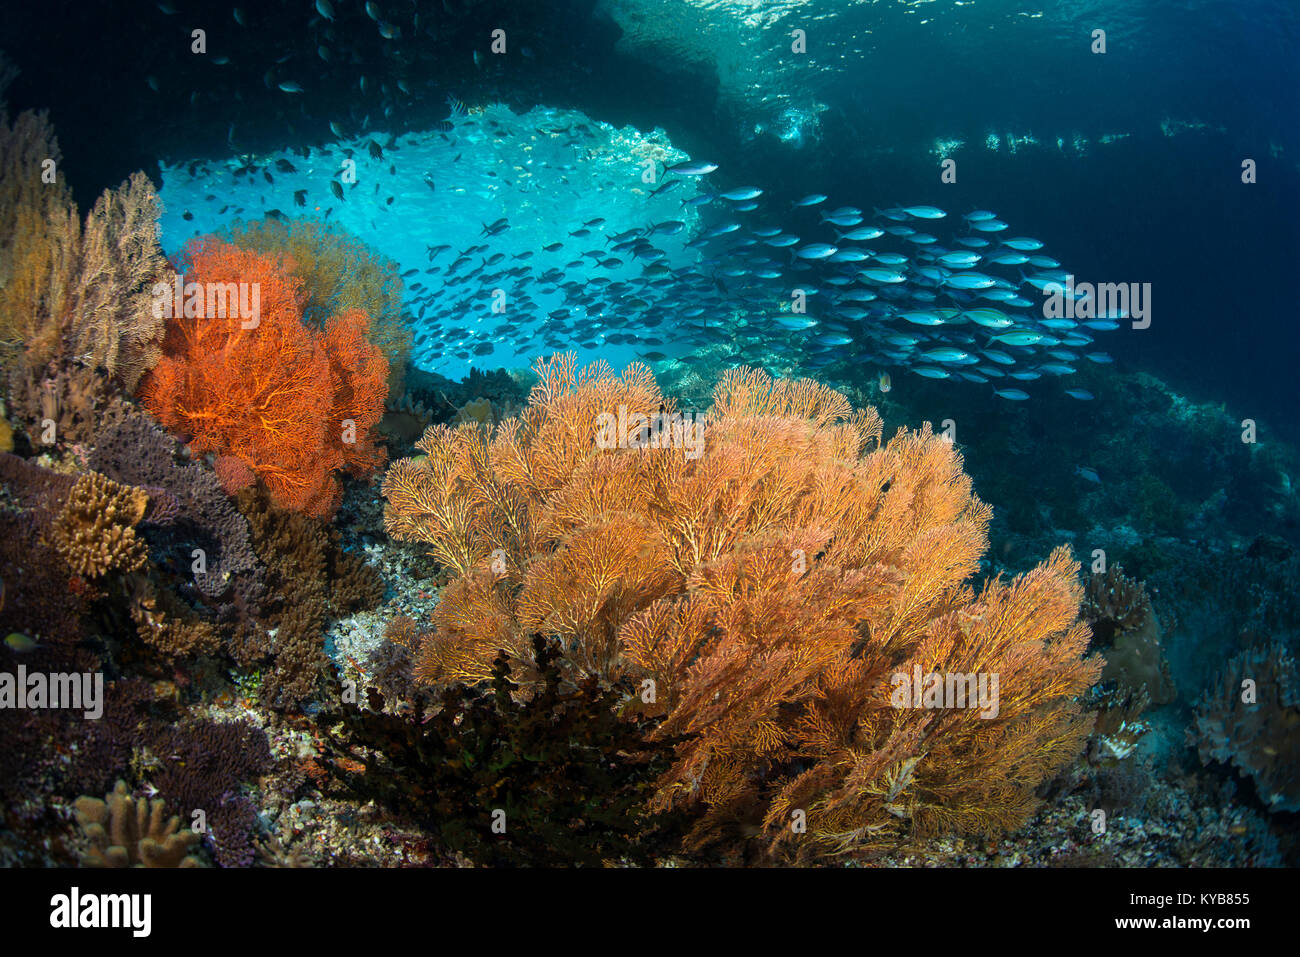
column 730, row 277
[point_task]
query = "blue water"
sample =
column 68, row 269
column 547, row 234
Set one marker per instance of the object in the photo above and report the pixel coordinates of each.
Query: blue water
column 1127, row 164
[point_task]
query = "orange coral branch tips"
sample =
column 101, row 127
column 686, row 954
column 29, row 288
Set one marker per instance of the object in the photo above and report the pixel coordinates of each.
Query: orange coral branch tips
column 274, row 396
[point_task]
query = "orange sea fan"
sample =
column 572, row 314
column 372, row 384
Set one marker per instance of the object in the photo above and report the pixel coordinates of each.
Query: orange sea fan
column 292, row 403
column 769, row 593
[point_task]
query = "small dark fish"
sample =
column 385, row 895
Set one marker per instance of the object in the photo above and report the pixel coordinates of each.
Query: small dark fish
column 375, row 149
column 284, row 166
column 336, row 188
column 300, row 197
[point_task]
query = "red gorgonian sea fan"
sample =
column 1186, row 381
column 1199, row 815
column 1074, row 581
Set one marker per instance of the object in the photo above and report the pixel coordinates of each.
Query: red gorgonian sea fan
column 292, row 403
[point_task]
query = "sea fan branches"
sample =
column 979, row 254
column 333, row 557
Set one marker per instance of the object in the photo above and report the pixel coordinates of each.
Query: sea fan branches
column 771, row 597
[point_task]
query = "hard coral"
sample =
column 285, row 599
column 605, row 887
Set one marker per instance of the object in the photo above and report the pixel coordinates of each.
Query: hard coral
column 95, row 532
column 309, row 578
column 557, row 778
column 1255, row 727
column 766, row 593
column 126, row 832
column 295, row 404
column 132, row 449
column 1125, row 629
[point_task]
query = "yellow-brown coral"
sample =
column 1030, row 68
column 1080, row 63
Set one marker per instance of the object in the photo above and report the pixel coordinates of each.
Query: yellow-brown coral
column 766, row 595
column 164, row 622
column 339, row 274
column 127, row 832
column 94, row 533
column 74, row 291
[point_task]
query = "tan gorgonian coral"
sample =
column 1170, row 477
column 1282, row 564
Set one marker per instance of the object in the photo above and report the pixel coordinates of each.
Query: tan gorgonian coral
column 32, row 186
column 771, row 596
column 69, row 291
column 94, row 533
column 339, row 273
column 131, row 832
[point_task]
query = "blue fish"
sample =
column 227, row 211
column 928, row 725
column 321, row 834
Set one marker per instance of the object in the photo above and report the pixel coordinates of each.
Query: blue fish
column 692, row 168
column 816, row 251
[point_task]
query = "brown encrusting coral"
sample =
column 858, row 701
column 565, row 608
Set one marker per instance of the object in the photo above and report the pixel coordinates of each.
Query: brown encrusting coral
column 1126, row 630
column 771, row 582
column 131, row 832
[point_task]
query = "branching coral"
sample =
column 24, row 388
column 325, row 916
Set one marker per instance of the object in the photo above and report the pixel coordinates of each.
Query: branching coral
column 127, row 832
column 95, row 533
column 769, row 592
column 75, row 293
column 559, row 778
column 293, row 403
column 339, row 273
column 203, row 766
column 309, row 578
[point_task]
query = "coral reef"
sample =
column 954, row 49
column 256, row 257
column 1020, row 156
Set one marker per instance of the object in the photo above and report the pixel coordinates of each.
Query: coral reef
column 131, row 449
column 1251, row 720
column 339, row 274
column 294, row 403
column 770, row 591
column 127, row 832
column 309, row 578
column 202, row 767
column 72, row 292
column 95, row 531
column 1125, row 629
column 556, row 779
